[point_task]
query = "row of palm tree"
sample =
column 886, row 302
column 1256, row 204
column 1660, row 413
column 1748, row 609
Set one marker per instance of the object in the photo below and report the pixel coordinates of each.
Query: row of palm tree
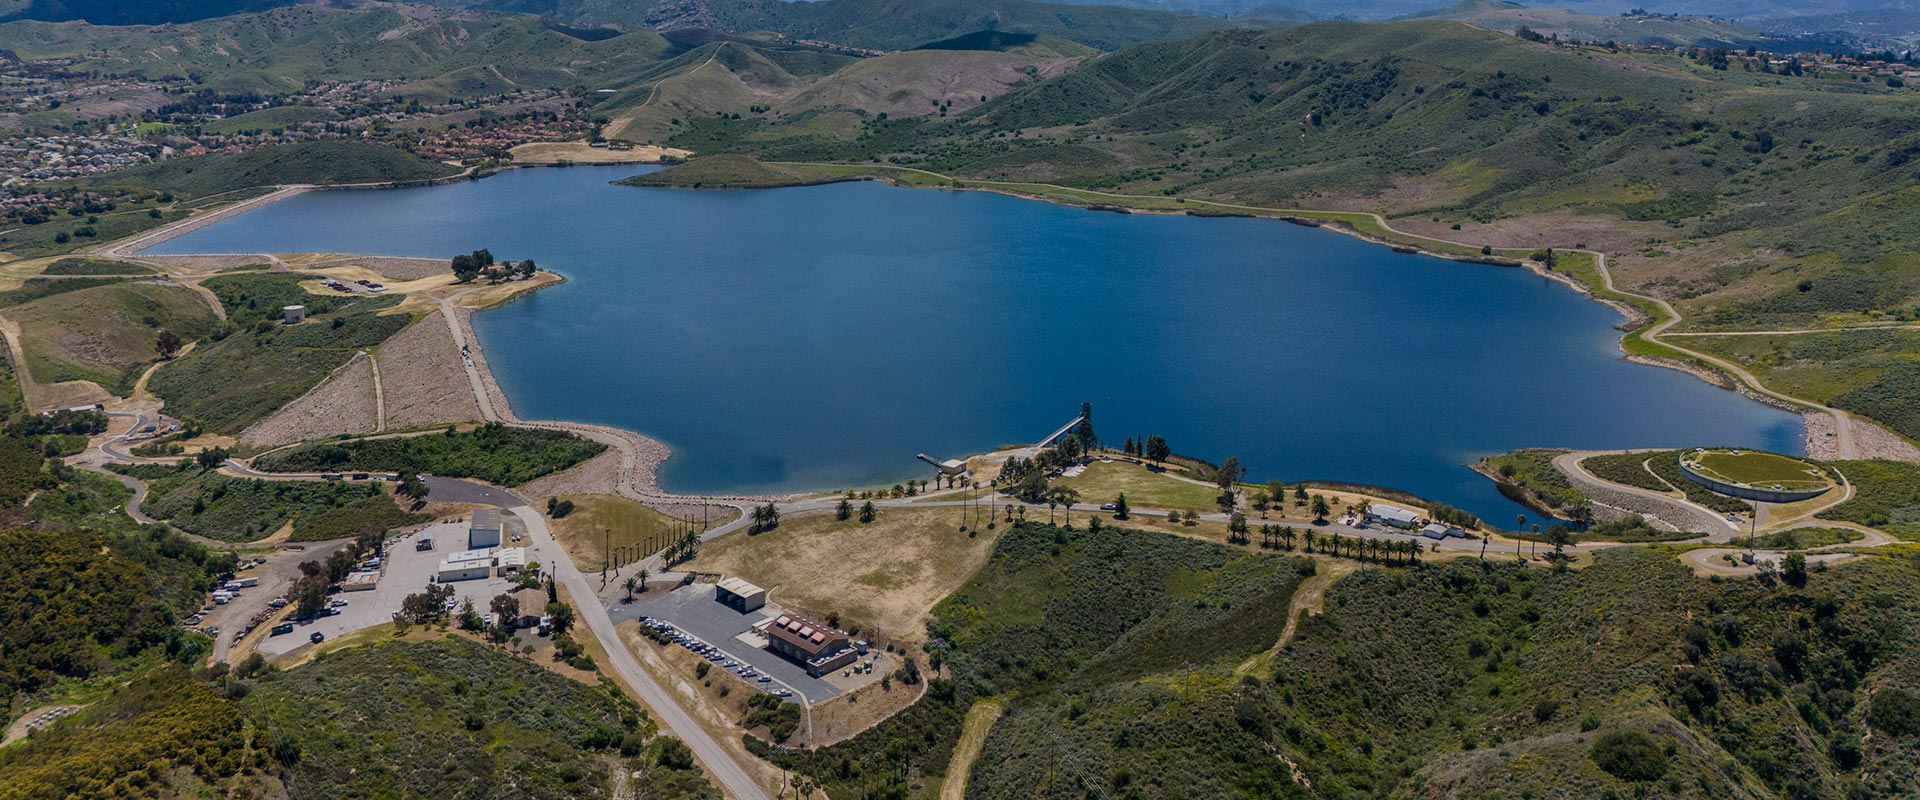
column 1386, row 551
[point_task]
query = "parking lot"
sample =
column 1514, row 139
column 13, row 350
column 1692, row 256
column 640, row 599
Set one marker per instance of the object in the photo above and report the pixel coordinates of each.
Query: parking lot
column 407, row 571
column 693, row 610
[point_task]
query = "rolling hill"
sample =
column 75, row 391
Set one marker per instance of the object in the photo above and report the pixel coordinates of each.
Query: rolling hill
column 1738, row 195
column 1500, row 15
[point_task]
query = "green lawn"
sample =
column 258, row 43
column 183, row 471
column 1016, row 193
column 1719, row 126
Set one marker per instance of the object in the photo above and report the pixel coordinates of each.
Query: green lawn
column 1758, row 468
column 1105, row 480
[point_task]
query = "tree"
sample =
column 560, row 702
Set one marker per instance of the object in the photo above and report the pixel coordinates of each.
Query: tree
column 167, row 343
column 628, row 585
column 1559, row 537
column 1286, row 536
column 1261, row 502
column 310, row 593
column 642, row 576
column 1237, row 528
column 1120, row 506
column 1795, row 573
column 1066, row 496
column 562, row 616
column 868, row 512
column 844, row 511
column 427, row 606
column 412, row 487
column 1320, row 508
column 1157, row 449
column 765, row 518
column 211, row 458
column 1228, row 474
column 1310, row 537
column 506, row 609
column 1300, row 494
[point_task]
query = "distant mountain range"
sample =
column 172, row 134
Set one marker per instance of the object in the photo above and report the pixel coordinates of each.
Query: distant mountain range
column 1110, row 24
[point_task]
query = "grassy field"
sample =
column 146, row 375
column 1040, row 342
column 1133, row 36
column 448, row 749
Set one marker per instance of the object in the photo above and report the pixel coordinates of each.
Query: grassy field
column 106, row 334
column 234, row 509
column 614, row 530
column 1103, row 481
column 883, row 577
column 493, row 452
column 1758, row 468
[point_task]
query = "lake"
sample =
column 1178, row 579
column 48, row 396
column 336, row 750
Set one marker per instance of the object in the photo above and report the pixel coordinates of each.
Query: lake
column 820, row 337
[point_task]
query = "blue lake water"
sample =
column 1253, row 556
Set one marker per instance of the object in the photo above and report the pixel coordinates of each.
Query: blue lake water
column 819, row 337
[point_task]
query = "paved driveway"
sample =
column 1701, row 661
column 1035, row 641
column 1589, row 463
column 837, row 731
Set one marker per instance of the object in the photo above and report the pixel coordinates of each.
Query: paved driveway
column 693, row 609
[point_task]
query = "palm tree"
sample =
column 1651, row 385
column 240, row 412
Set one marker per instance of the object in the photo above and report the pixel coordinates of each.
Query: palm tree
column 1053, row 502
column 1320, row 508
column 1067, row 497
column 1286, row 535
column 1311, row 536
column 643, row 580
column 629, row 587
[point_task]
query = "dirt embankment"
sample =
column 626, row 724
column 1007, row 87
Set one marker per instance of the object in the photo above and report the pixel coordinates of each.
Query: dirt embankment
column 344, row 403
column 424, row 377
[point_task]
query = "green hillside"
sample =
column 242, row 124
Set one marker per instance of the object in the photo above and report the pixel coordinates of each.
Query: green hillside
column 1749, row 200
column 1503, row 16
column 1114, row 654
column 107, row 334
column 285, row 49
column 879, row 24
column 334, row 162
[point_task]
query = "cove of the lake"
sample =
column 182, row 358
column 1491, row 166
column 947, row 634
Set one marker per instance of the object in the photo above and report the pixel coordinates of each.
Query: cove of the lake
column 820, row 337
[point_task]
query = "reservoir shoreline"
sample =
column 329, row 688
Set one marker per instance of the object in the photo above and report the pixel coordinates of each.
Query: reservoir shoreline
column 646, row 454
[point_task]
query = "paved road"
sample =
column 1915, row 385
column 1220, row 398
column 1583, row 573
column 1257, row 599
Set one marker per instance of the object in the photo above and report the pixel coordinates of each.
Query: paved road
column 1683, row 513
column 733, row 778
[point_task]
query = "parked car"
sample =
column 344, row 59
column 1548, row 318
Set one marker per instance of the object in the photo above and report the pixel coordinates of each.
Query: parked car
column 282, row 628
column 317, row 637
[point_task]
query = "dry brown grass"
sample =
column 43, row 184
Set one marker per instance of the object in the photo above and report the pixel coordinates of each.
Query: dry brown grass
column 885, row 576
column 582, row 153
column 603, row 524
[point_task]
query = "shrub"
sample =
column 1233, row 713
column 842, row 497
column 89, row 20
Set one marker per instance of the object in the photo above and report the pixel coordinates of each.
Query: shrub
column 1630, row 756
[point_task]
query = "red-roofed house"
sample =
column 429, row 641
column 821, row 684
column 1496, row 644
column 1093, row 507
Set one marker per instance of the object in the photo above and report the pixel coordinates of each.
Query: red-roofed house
column 819, row 648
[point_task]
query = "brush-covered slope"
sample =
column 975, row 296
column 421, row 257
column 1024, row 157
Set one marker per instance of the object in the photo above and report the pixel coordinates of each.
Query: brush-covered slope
column 285, row 49
column 879, row 24
column 1123, row 661
column 1678, row 31
column 330, row 162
